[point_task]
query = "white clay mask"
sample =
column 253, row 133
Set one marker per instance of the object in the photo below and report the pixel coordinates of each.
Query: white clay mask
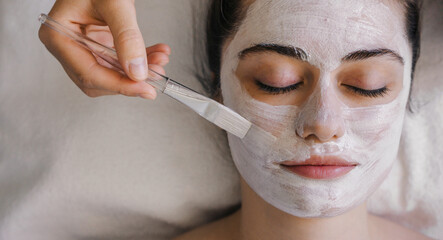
column 368, row 136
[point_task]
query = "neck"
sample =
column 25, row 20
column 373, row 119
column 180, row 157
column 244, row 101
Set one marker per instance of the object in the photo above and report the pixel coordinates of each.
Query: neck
column 260, row 220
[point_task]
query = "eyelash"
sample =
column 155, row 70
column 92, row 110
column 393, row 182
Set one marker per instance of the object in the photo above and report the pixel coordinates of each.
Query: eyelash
column 276, row 90
column 367, row 93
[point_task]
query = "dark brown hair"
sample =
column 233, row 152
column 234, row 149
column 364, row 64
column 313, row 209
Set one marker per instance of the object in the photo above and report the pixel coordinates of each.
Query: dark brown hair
column 225, row 16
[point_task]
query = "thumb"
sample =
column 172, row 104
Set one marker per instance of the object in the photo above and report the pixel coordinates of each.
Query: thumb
column 128, row 41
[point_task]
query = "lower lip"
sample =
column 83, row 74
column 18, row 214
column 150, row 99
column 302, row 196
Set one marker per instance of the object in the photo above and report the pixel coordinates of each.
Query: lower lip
column 319, row 171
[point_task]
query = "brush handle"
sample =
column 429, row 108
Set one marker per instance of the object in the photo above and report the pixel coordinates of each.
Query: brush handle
column 106, row 53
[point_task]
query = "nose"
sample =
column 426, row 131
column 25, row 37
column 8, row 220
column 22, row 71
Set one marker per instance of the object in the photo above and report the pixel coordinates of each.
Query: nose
column 320, row 120
column 322, row 131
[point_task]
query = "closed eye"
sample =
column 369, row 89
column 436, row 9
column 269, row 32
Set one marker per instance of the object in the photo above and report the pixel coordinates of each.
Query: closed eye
column 277, row 90
column 368, row 93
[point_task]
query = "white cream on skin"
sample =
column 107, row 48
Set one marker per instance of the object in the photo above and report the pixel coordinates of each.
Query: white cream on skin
column 369, row 136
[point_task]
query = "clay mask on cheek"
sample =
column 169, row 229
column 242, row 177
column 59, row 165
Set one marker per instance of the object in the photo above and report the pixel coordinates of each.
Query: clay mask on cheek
column 327, row 32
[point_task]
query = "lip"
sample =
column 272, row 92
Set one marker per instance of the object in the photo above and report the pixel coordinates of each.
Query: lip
column 320, row 167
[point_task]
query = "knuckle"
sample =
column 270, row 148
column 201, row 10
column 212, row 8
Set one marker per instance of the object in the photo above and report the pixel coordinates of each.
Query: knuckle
column 125, row 91
column 45, row 37
column 90, row 92
column 129, row 36
column 42, row 34
column 84, row 80
column 112, row 3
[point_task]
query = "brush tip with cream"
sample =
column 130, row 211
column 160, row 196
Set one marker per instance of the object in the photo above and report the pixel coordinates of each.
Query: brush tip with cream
column 211, row 110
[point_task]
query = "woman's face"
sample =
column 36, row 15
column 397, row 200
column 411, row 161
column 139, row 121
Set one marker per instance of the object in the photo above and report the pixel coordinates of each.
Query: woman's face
column 330, row 80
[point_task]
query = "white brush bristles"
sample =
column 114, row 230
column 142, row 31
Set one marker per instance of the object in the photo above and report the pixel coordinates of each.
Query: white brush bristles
column 211, row 110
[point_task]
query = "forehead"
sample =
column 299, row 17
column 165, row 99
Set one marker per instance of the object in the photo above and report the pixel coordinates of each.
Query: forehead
column 326, row 30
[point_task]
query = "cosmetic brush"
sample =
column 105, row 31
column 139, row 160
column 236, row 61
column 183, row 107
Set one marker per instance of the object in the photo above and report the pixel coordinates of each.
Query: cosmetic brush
column 209, row 109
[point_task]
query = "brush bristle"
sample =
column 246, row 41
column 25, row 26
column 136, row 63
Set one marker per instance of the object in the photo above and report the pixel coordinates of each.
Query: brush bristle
column 232, row 122
column 211, row 110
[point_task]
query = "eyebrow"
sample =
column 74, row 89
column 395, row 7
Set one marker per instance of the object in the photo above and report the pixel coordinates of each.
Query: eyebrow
column 365, row 54
column 289, row 51
column 300, row 54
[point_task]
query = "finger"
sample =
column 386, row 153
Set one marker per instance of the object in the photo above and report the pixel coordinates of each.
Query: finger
column 97, row 92
column 157, row 68
column 100, row 34
column 153, row 76
column 161, row 47
column 121, row 17
column 91, row 92
column 75, row 60
column 89, row 75
column 118, row 83
column 70, row 13
column 158, row 58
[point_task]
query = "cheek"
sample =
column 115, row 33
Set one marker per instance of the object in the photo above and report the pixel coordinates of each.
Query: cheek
column 273, row 119
column 375, row 125
column 374, row 136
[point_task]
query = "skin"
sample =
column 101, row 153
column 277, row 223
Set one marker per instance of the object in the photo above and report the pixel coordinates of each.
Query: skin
column 113, row 23
column 272, row 224
column 257, row 219
column 273, row 69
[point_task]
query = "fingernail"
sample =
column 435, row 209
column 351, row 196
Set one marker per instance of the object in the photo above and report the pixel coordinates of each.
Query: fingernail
column 138, row 68
column 150, row 94
column 147, row 95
